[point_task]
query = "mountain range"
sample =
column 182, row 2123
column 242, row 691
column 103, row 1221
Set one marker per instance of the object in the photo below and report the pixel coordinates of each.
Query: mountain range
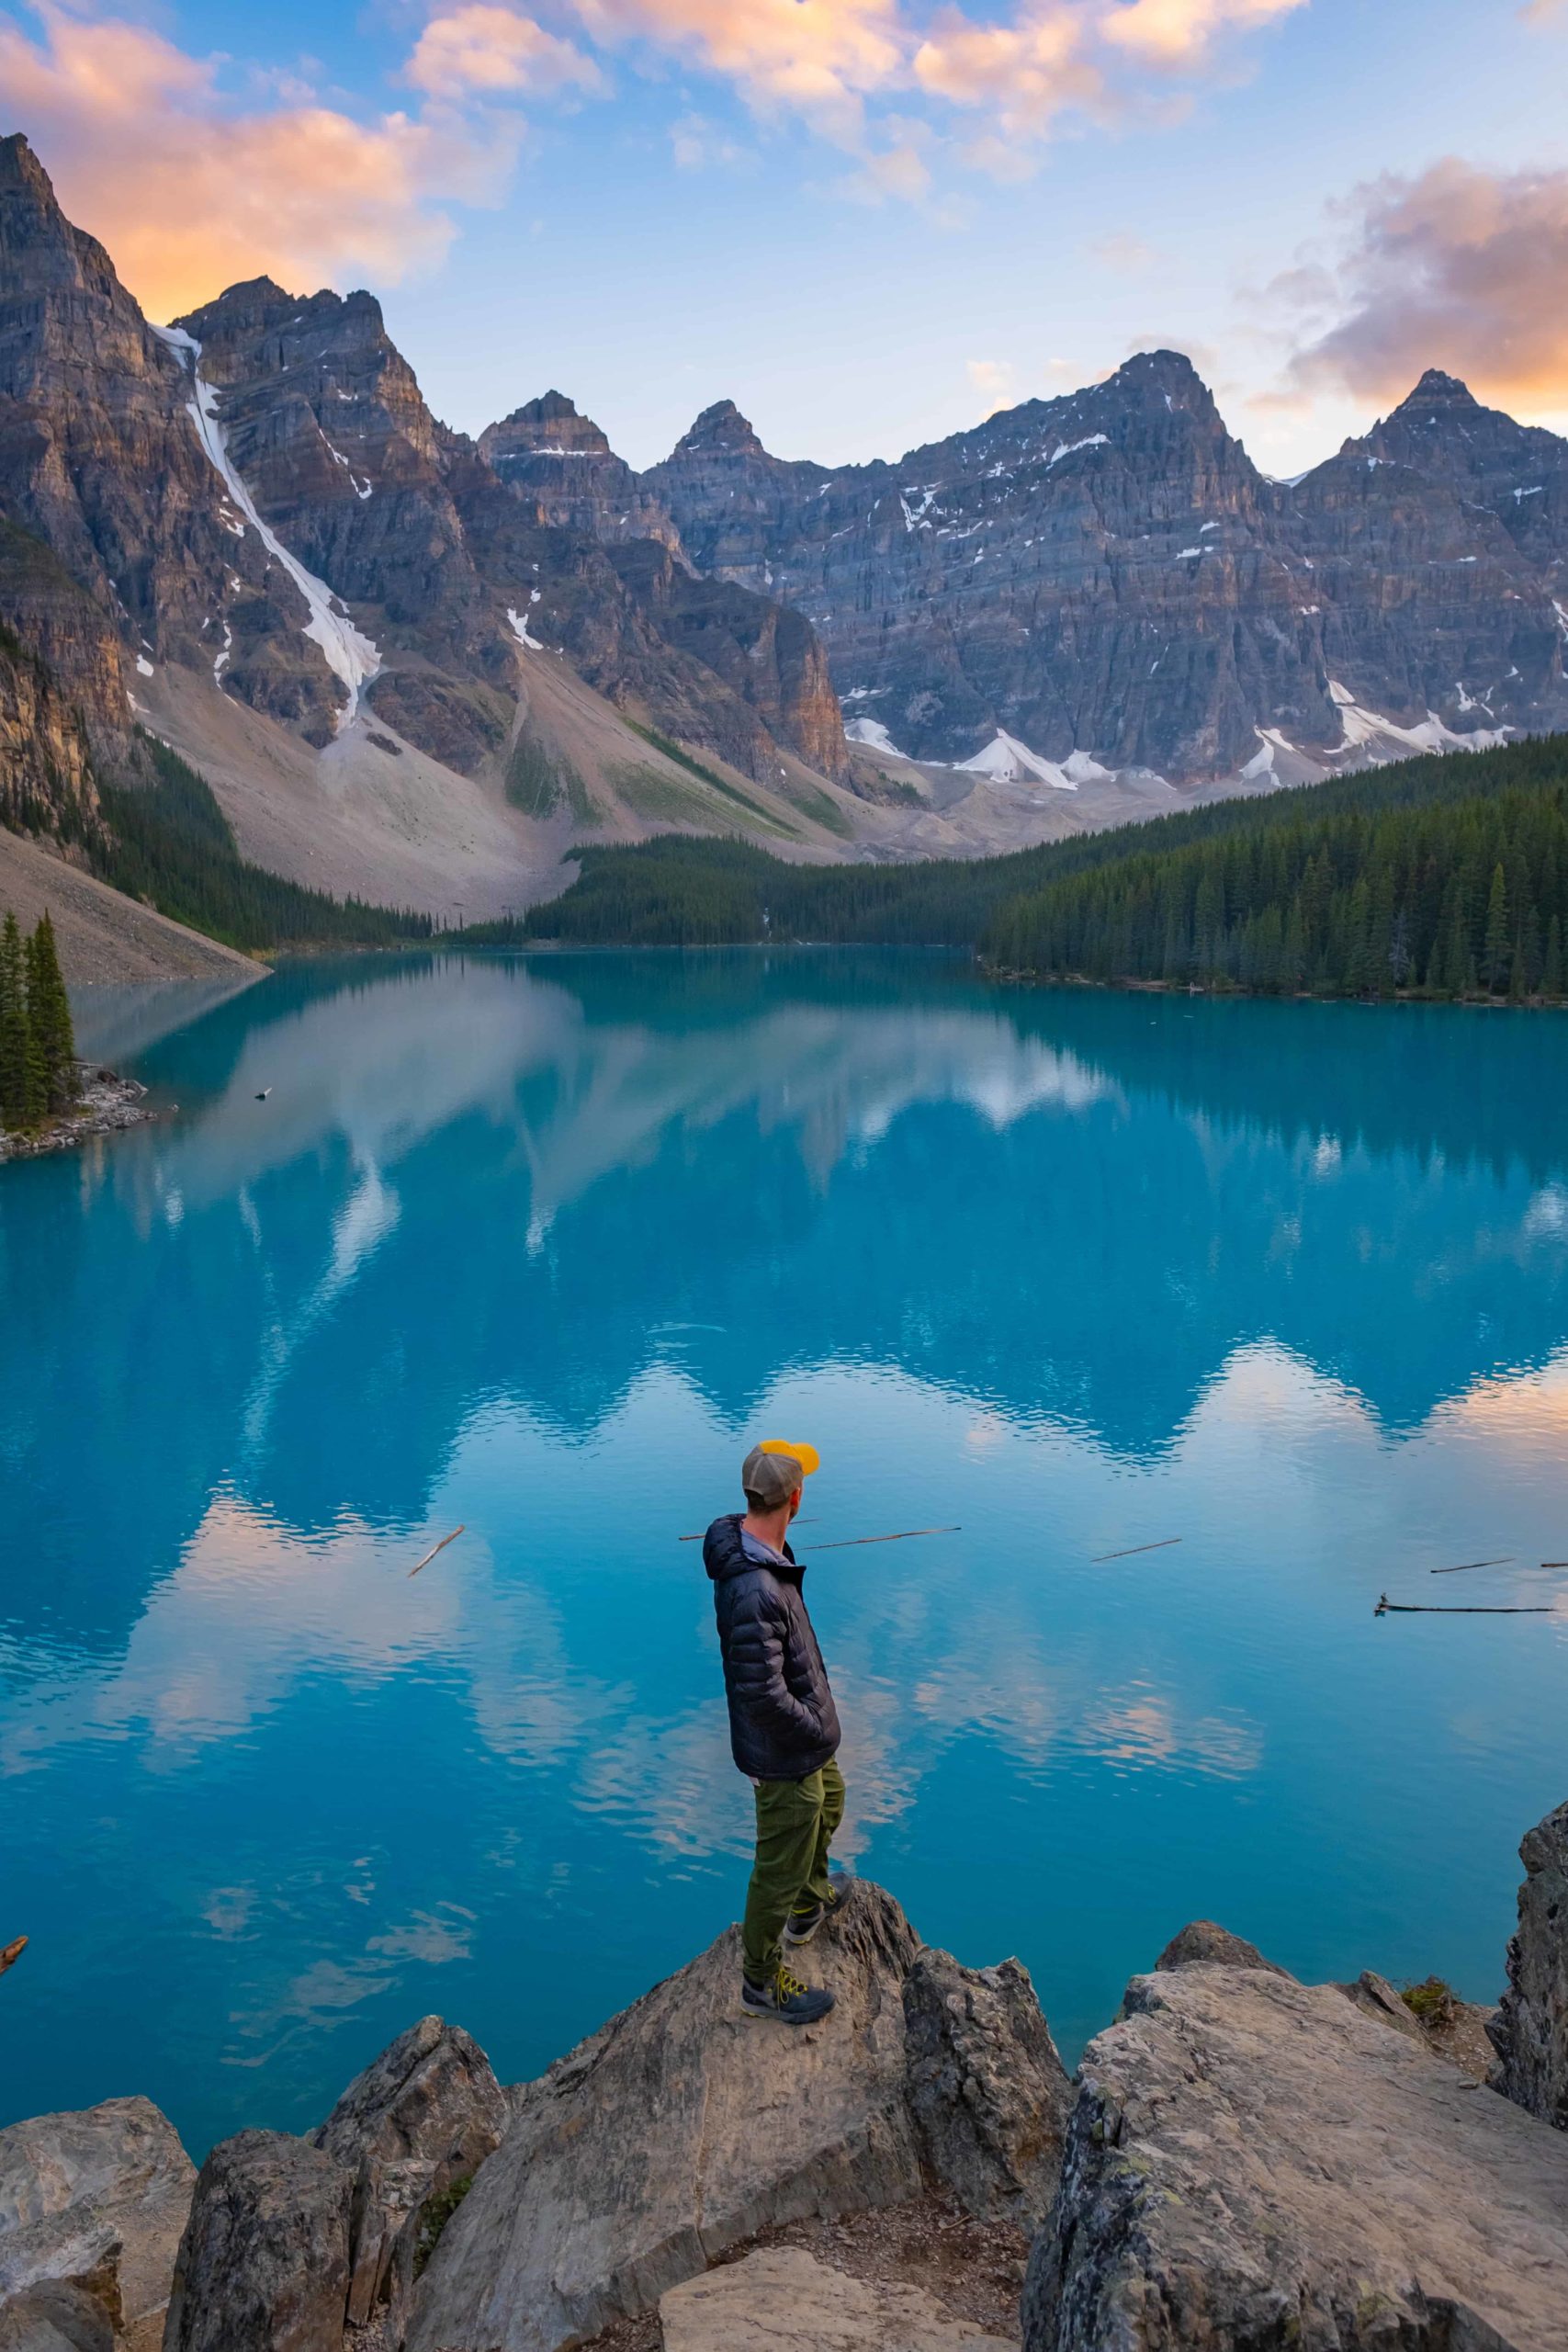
column 420, row 667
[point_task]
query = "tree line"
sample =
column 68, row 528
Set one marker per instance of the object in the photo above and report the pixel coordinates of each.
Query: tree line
column 37, row 1049
column 1465, row 898
column 1443, row 876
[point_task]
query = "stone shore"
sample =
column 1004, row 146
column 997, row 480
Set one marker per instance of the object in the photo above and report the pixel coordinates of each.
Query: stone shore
column 1242, row 2164
column 107, row 1104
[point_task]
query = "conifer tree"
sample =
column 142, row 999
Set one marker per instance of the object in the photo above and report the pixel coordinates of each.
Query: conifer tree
column 49, row 1014
column 15, row 1053
column 1494, row 955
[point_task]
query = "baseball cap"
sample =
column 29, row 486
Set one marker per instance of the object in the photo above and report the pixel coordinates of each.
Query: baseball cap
column 772, row 1470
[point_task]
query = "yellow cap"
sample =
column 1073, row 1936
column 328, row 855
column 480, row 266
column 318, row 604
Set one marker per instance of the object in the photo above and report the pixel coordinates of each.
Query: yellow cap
column 807, row 1455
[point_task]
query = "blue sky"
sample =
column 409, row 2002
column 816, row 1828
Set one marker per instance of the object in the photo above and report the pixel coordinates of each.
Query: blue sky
column 867, row 222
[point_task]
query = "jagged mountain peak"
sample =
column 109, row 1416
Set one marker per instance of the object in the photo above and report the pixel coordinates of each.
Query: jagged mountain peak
column 551, row 424
column 19, row 167
column 721, row 428
column 1436, row 386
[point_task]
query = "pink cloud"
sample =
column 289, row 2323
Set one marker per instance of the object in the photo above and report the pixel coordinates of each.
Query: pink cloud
column 1178, row 35
column 191, row 195
column 1458, row 268
column 485, row 51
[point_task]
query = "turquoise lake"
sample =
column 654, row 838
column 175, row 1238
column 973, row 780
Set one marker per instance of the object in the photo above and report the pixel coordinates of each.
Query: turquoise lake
column 541, row 1246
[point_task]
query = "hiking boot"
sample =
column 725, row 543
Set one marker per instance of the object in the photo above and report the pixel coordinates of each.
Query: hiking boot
column 785, row 1999
column 801, row 1925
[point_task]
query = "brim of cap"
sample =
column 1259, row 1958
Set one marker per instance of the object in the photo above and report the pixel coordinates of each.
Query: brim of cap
column 807, row 1455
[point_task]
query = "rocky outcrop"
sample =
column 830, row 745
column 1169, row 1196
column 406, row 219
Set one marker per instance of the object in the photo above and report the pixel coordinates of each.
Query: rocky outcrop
column 1203, row 1940
column 47, row 786
column 562, row 468
column 56, row 2319
column 1110, row 574
column 416, row 2124
column 987, row 2087
column 1531, row 2032
column 264, row 2264
column 92, row 2205
column 260, row 495
column 99, row 461
column 579, row 2218
column 1251, row 2164
column 781, row 2295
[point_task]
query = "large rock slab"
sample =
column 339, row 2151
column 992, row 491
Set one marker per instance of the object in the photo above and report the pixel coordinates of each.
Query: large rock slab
column 782, row 2300
column 1205, row 1941
column 677, row 2129
column 419, row 2120
column 55, row 2318
column 263, row 2262
column 1253, row 2164
column 987, row 2087
column 98, row 2196
column 1530, row 2030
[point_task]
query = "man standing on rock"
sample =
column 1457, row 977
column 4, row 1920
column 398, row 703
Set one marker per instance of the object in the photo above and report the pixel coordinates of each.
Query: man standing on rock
column 784, row 1730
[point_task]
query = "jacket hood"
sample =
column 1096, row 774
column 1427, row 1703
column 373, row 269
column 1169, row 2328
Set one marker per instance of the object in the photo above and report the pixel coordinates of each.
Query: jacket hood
column 724, row 1553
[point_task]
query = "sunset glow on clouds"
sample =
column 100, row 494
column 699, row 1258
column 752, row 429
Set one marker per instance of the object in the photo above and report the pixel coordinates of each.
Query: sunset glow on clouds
column 195, row 191
column 1019, row 150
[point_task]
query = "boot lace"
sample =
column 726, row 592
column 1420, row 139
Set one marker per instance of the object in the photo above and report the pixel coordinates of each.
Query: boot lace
column 789, row 1983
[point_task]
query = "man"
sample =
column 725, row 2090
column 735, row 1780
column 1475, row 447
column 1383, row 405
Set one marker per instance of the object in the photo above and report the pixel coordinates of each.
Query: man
column 784, row 1730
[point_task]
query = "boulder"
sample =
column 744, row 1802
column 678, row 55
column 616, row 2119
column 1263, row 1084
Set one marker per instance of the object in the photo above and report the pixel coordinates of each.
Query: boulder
column 986, row 2088
column 1253, row 2163
column 263, row 2262
column 97, row 2197
column 1376, row 1997
column 674, row 2131
column 1529, row 2033
column 1205, row 1939
column 418, row 2122
column 781, row 2296
column 55, row 2318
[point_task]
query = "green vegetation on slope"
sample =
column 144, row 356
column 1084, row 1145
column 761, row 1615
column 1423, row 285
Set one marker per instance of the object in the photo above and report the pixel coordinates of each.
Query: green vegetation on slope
column 38, row 1050
column 1445, row 876
column 170, row 844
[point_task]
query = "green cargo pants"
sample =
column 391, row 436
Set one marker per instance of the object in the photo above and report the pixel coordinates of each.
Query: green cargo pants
column 795, row 1821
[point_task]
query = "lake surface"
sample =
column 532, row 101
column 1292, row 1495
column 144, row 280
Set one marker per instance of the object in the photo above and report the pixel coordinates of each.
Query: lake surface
column 541, row 1246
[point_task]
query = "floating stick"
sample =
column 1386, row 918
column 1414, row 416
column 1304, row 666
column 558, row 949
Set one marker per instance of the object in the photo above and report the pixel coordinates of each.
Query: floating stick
column 697, row 1539
column 12, row 1954
column 850, row 1542
column 1555, row 1564
column 1427, row 1609
column 1162, row 1545
column 1507, row 1561
column 431, row 1555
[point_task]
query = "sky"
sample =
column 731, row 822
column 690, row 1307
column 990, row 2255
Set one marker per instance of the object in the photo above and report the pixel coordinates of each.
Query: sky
column 869, row 223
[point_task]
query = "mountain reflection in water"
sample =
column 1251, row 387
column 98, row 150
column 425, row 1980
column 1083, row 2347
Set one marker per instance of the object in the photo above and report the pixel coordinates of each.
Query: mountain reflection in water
column 538, row 1246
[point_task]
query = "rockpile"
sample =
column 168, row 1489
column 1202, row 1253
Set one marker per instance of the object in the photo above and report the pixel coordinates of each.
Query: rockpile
column 1247, row 2164
column 1253, row 2162
column 585, row 2217
column 92, row 2205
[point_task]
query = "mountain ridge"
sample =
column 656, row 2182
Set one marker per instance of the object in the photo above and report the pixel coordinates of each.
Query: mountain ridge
column 424, row 666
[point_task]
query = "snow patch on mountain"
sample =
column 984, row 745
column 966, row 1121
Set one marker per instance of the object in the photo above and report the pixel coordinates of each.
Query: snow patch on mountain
column 872, row 732
column 349, row 654
column 1361, row 728
column 1005, row 760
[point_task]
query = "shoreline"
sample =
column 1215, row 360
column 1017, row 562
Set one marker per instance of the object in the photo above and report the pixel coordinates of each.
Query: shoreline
column 107, row 1105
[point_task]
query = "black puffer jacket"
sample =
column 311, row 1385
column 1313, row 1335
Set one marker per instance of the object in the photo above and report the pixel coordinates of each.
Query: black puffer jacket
column 783, row 1722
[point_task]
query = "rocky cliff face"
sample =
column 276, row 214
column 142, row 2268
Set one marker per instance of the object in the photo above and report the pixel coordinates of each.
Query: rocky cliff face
column 259, row 496
column 563, row 467
column 1110, row 574
column 99, row 462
